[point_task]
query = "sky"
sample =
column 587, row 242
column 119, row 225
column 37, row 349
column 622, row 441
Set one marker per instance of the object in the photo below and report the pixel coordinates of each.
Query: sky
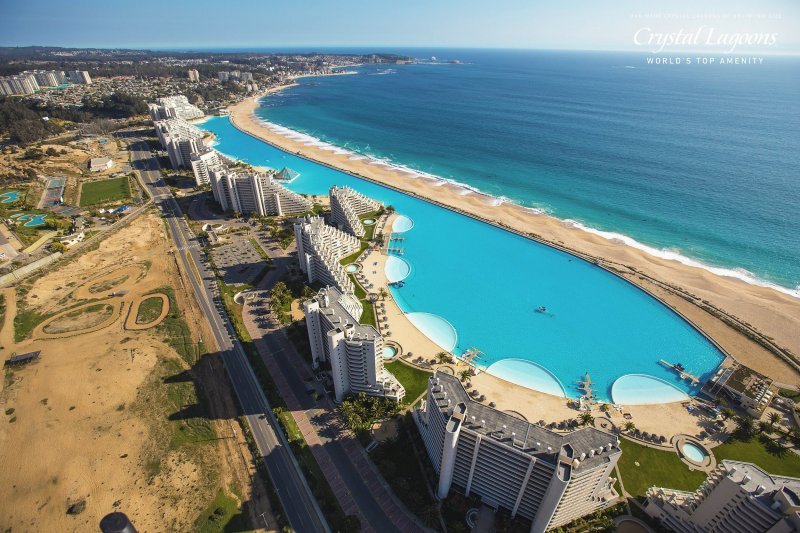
column 551, row 24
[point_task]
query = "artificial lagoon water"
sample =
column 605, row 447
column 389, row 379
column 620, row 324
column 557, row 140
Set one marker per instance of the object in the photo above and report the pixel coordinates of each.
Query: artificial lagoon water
column 472, row 285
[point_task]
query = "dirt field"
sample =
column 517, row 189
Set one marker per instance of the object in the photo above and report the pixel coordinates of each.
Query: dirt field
column 110, row 417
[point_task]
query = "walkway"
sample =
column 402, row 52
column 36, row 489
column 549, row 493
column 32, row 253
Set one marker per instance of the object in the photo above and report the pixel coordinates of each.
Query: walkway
column 355, row 481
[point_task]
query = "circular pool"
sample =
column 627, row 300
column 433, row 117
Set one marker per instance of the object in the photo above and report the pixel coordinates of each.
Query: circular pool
column 402, row 223
column 389, row 351
column 693, row 452
column 368, row 221
column 396, row 269
column 352, row 267
column 639, row 389
column 436, row 328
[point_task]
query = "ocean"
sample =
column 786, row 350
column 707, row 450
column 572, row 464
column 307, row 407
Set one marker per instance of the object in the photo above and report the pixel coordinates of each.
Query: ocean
column 698, row 163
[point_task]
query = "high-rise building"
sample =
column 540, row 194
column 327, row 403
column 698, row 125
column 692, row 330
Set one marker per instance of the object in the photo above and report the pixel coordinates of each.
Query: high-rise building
column 223, row 75
column 193, row 75
column 18, row 85
column 320, row 249
column 180, row 139
column 202, row 162
column 546, row 477
column 354, row 351
column 174, row 107
column 48, row 78
column 80, row 76
column 246, row 76
column 736, row 496
column 254, row 193
column 346, row 206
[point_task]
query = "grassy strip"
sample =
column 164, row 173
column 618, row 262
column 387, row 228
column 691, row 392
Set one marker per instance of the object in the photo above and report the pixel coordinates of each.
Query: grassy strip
column 655, row 468
column 261, row 468
column 308, row 464
column 414, row 380
column 396, row 462
column 176, row 332
column 368, row 316
column 761, row 451
column 352, row 257
column 222, row 514
column 105, row 191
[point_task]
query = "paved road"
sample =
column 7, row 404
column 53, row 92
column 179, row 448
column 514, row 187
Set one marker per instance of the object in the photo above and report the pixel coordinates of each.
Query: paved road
column 298, row 503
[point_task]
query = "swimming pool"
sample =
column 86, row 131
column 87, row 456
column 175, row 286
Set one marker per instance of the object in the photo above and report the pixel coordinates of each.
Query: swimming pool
column 352, row 267
column 389, row 351
column 396, row 269
column 35, row 220
column 476, row 285
column 368, row 221
column 10, row 196
column 402, row 224
column 694, row 452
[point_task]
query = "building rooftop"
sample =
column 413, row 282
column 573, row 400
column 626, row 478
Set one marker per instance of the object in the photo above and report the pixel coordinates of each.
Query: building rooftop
column 588, row 445
column 334, row 305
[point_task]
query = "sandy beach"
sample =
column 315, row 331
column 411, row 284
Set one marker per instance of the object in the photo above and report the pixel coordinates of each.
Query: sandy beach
column 756, row 325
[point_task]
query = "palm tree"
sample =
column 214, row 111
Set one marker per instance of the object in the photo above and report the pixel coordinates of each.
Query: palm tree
column 586, row 418
column 630, row 426
column 766, row 427
column 466, row 374
column 382, row 293
column 443, row 357
column 745, row 426
column 728, row 413
column 775, row 417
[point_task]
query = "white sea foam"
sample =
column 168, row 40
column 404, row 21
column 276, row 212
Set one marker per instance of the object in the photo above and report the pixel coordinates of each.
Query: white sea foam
column 465, row 189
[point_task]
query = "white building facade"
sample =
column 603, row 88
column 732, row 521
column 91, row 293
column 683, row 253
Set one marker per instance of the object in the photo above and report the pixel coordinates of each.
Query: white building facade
column 254, row 193
column 346, row 207
column 320, row 249
column 737, row 496
column 548, row 478
column 354, row 351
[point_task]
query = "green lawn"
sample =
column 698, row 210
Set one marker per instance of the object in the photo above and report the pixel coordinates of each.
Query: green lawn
column 413, row 379
column 223, row 514
column 149, row 310
column 756, row 451
column 656, row 468
column 103, row 191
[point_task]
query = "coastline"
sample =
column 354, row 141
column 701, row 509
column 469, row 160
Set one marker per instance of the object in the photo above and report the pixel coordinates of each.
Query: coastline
column 697, row 294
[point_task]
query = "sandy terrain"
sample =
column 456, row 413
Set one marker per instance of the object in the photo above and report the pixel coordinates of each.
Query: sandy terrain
column 769, row 312
column 89, row 421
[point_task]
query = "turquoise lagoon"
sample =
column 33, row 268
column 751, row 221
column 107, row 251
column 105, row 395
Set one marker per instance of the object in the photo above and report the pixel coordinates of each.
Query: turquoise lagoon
column 472, row 285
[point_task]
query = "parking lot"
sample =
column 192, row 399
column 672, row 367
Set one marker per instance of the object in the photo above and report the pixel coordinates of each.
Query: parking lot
column 238, row 262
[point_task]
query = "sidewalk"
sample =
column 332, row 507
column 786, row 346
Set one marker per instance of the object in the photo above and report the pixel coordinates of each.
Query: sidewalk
column 355, row 481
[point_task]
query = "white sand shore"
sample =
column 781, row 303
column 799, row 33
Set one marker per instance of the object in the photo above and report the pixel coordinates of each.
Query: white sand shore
column 710, row 301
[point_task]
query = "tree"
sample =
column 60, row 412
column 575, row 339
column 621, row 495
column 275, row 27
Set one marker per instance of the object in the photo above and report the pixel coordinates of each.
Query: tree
column 382, row 293
column 766, row 427
column 586, row 418
column 466, row 374
column 57, row 246
column 444, row 358
column 745, row 427
column 630, row 426
column 775, row 418
column 728, row 413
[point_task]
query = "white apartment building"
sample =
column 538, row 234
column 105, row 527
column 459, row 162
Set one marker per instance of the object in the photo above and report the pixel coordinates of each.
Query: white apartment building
column 180, row 139
column 353, row 350
column 254, row 192
column 346, row 206
column 174, row 107
column 48, row 78
column 320, row 249
column 202, row 162
column 736, row 497
column 193, row 75
column 546, row 477
column 80, row 76
column 18, row 85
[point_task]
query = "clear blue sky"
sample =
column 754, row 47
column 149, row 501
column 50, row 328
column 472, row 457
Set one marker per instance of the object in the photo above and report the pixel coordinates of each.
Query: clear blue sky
column 559, row 24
